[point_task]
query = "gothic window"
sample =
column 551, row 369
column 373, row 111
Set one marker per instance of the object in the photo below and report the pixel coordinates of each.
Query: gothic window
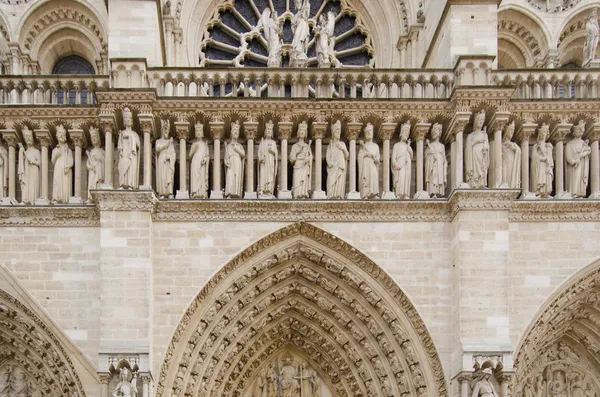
column 231, row 38
column 73, row 64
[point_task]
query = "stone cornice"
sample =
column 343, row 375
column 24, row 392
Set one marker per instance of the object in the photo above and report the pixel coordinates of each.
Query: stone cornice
column 124, row 200
column 555, row 210
column 50, row 216
column 481, row 199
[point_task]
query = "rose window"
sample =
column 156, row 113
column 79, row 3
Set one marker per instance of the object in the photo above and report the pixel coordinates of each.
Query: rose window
column 235, row 37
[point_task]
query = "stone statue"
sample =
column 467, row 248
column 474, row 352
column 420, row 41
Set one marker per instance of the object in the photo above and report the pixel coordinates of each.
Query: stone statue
column 542, row 164
column 577, row 158
column 368, row 165
column 129, row 154
column 167, row 8
column 337, row 164
column 29, row 168
column 260, row 387
column 577, row 386
column 272, row 380
column 511, row 159
column 540, row 386
column 273, row 33
column 325, row 39
column 126, row 386
column 436, row 165
column 62, row 158
column 401, row 163
column 5, row 381
column 301, row 33
column 301, row 158
column 234, row 163
column 287, row 379
column 200, row 158
column 165, row 162
column 483, row 387
column 95, row 163
column 592, row 33
column 3, row 171
column 19, row 383
column 267, row 163
column 477, row 153
column 316, row 384
column 204, row 89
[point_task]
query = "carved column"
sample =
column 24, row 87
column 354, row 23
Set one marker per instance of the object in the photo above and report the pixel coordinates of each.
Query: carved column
column 216, row 128
column 11, row 138
column 178, row 33
column 45, row 139
column 353, row 132
column 78, row 139
column 104, row 382
column 464, row 385
column 527, row 131
column 318, row 131
column 285, row 133
column 498, row 122
column 559, row 137
column 145, row 386
column 169, row 22
column 458, row 154
column 183, row 131
column 250, row 129
column 386, row 132
column 107, row 122
column 595, row 162
column 419, row 134
column 147, row 125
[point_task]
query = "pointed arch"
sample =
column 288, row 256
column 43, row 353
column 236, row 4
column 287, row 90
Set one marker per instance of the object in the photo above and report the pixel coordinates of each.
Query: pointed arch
column 305, row 290
column 564, row 336
column 571, row 35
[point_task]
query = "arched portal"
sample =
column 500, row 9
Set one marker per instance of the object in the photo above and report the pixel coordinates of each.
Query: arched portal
column 305, row 294
column 560, row 351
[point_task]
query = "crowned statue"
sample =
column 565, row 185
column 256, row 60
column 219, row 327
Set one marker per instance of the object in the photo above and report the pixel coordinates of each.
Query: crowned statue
column 127, row 386
column 477, row 153
column 29, row 168
column 129, row 154
column 95, row 163
column 62, row 159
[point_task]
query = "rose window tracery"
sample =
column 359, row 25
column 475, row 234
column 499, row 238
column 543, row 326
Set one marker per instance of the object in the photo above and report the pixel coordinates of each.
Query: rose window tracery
column 235, row 37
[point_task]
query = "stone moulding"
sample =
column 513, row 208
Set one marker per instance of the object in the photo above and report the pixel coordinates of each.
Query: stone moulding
column 50, row 216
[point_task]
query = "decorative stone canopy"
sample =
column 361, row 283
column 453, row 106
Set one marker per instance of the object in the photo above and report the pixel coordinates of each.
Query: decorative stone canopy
column 303, row 289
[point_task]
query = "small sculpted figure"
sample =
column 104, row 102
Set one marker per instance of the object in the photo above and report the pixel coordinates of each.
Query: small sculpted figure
column 477, row 153
column 126, row 386
column 267, row 162
column 62, row 159
column 337, row 164
column 234, row 163
column 288, row 383
column 301, row 32
column 483, row 387
column 129, row 154
column 95, row 163
column 368, row 165
column 29, row 168
column 436, row 165
column 401, row 163
column 3, row 171
column 325, row 39
column 542, row 164
column 511, row 159
column 273, row 33
column 301, row 158
column 592, row 33
column 577, row 156
column 165, row 162
column 200, row 158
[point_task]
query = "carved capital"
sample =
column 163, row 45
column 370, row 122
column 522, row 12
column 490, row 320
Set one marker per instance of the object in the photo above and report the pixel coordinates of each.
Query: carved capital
column 285, row 129
column 44, row 137
column 146, row 379
column 594, row 134
column 147, row 124
column 457, row 127
column 216, row 129
column 499, row 122
column 560, row 132
column 527, row 131
column 318, row 130
column 250, row 129
column 353, row 131
column 105, row 377
column 182, row 129
column 10, row 137
column 387, row 131
column 420, row 131
column 77, row 137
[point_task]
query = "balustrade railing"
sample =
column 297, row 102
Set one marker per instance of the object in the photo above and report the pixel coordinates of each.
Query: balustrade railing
column 51, row 89
column 550, row 83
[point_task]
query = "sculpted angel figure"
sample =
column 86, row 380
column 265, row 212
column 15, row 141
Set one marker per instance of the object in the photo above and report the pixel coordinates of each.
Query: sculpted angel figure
column 301, row 158
column 126, row 386
column 165, row 162
column 3, row 171
column 325, row 39
column 483, row 387
column 129, row 154
column 402, row 155
column 62, row 159
column 337, row 164
column 95, row 163
column 301, row 33
column 267, row 162
column 29, row 168
column 511, row 159
column 273, row 33
column 592, row 33
column 542, row 164
column 368, row 165
column 200, row 157
column 477, row 153
column 436, row 165
column 234, row 163
column 577, row 157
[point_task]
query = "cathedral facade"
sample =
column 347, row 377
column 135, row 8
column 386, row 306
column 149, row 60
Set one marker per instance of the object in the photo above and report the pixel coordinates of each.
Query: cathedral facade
column 299, row 198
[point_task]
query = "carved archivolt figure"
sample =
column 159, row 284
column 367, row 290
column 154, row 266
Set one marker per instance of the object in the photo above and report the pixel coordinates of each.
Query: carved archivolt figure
column 3, row 172
column 19, row 383
column 273, row 32
column 337, row 164
column 234, row 163
column 542, row 164
column 301, row 158
column 165, row 162
column 29, row 168
column 301, row 33
column 127, row 386
column 577, row 157
column 95, row 163
column 267, row 162
column 592, row 33
column 5, row 381
column 368, row 165
column 483, row 387
column 200, row 157
column 436, row 165
column 401, row 163
column 62, row 158
column 272, row 381
column 325, row 39
column 129, row 154
column 511, row 159
column 477, row 153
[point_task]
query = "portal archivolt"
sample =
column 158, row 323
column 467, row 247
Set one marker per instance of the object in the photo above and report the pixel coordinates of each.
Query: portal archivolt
column 303, row 293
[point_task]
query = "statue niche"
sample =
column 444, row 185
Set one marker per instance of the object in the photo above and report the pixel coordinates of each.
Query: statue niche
column 286, row 376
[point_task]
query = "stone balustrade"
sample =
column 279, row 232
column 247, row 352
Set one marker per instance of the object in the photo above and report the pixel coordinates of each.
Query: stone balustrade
column 550, row 83
column 50, row 89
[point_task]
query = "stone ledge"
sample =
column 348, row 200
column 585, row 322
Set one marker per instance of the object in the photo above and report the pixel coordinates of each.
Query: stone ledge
column 63, row 215
column 125, row 200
